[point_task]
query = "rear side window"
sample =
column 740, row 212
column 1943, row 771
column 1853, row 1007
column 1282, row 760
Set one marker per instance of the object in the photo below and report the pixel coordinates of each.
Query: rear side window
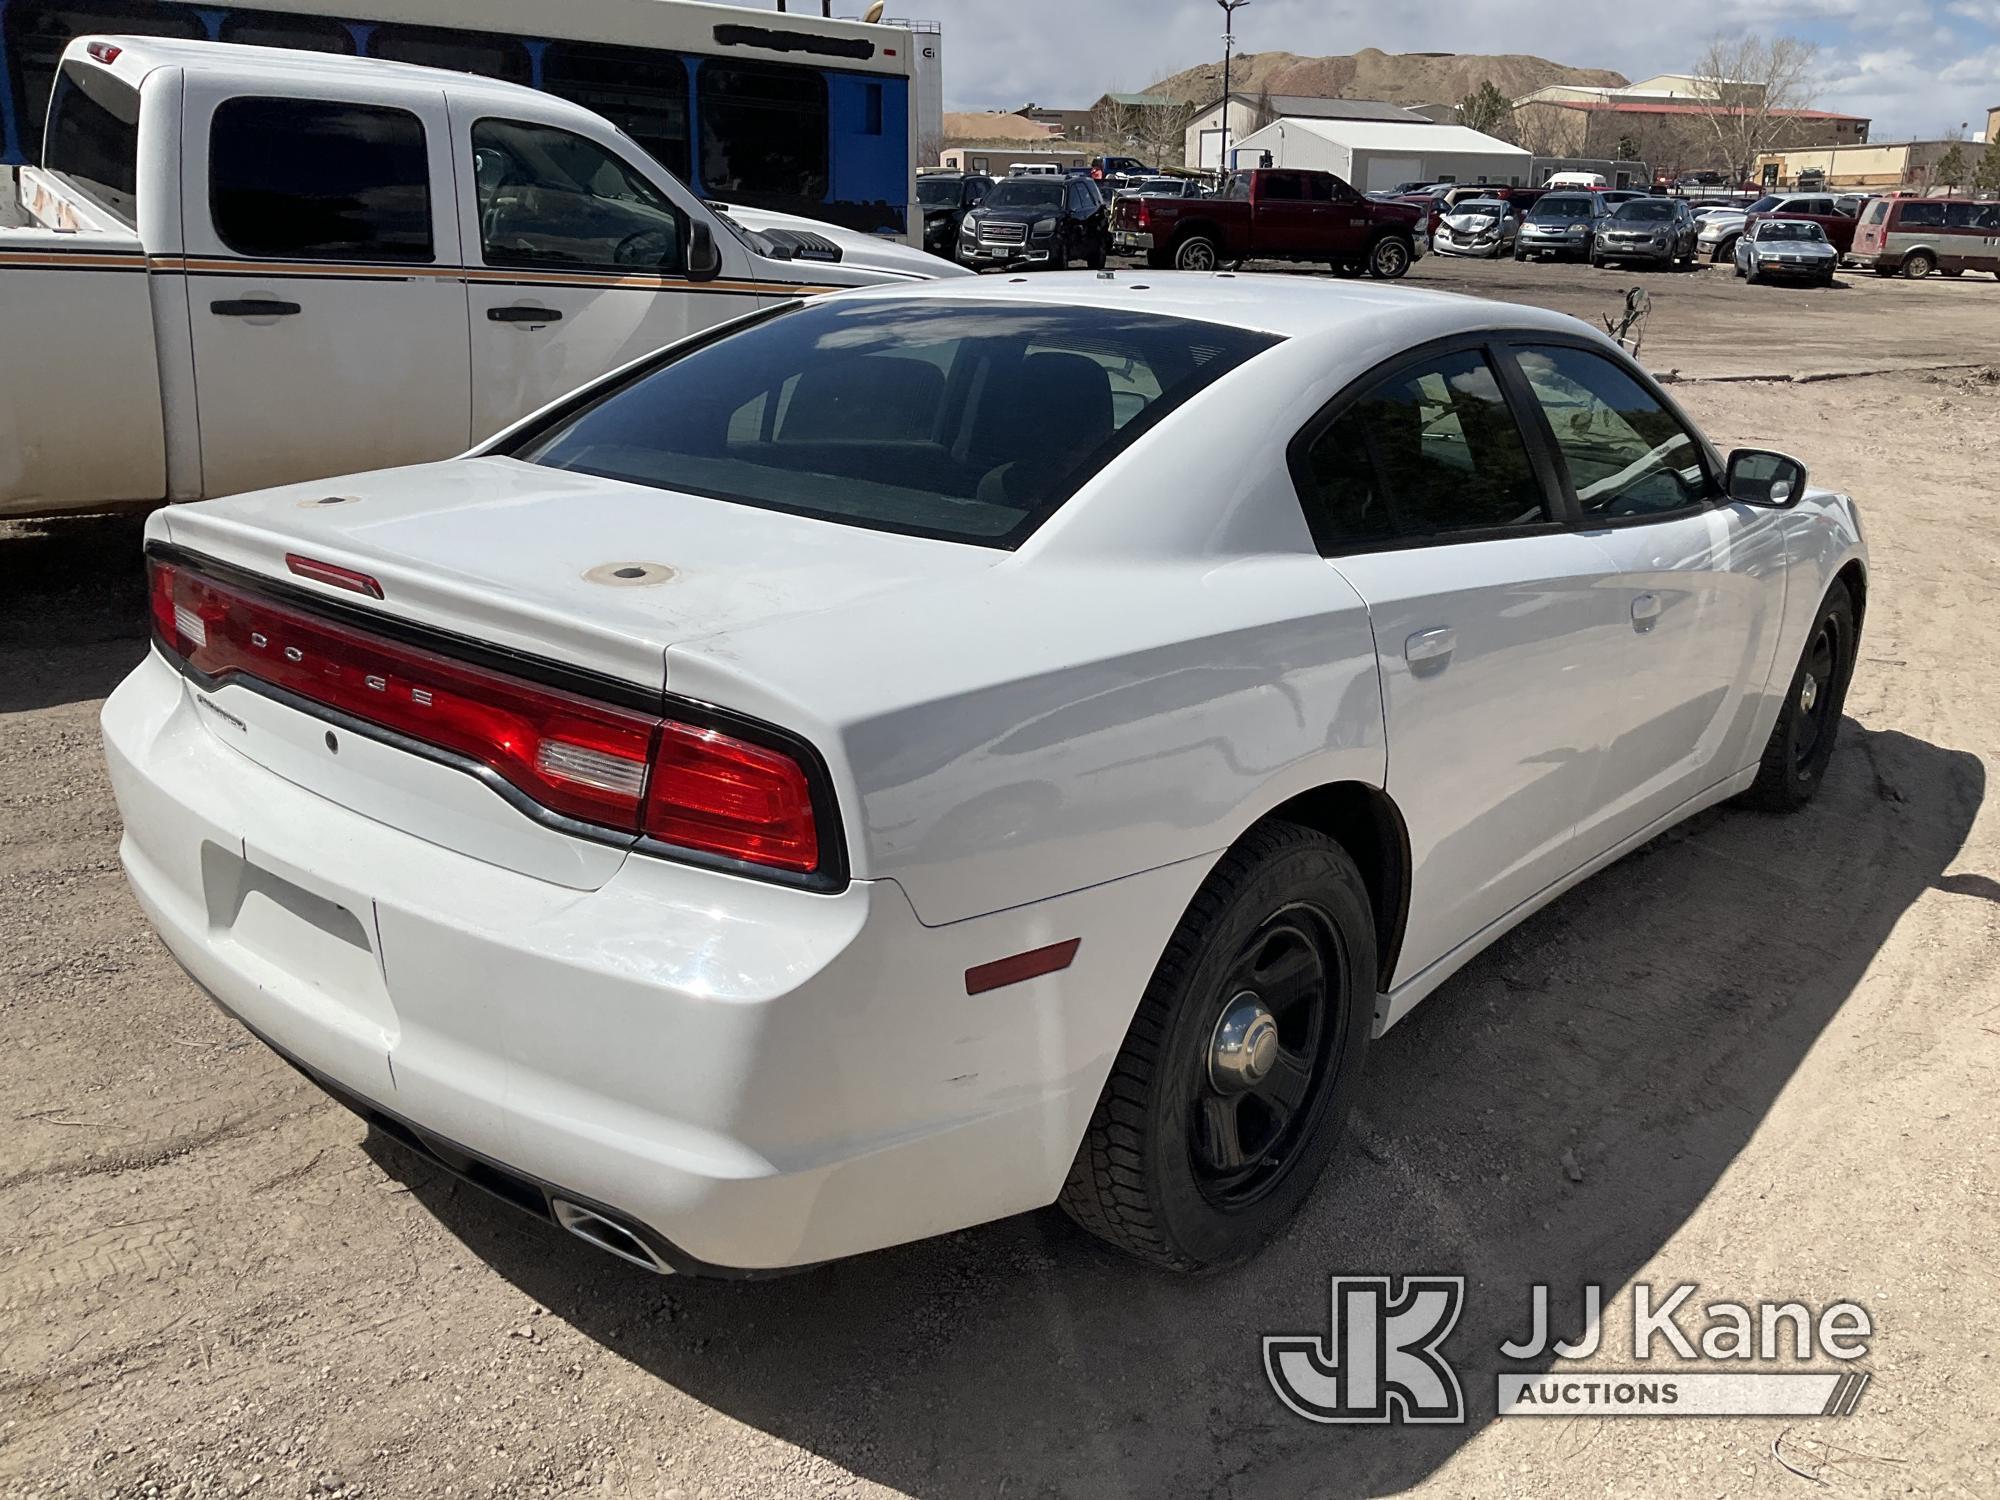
column 1429, row 452
column 308, row 179
column 968, row 422
column 1921, row 216
column 1627, row 454
column 93, row 140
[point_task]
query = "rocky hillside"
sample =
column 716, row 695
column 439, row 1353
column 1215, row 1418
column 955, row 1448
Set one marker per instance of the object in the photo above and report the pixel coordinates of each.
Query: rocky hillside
column 1401, row 78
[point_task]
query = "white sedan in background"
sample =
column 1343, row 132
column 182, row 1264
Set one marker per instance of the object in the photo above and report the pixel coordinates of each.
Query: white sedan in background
column 1787, row 249
column 914, row 756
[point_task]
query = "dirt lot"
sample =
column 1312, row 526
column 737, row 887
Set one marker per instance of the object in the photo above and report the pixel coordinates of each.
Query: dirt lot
column 1767, row 1046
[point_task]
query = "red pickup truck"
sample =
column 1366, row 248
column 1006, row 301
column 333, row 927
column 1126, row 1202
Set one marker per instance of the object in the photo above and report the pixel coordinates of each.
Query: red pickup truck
column 1272, row 214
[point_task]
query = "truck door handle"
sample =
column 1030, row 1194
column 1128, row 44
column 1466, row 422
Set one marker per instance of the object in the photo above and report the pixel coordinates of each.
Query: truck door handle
column 1645, row 612
column 523, row 314
column 1431, row 646
column 253, row 307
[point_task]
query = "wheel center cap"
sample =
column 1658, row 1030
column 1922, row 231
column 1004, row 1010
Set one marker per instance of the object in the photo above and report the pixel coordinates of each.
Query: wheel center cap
column 1245, row 1046
column 1809, row 695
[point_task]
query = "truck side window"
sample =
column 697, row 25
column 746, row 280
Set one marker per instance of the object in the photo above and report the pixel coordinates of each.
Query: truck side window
column 310, row 179
column 549, row 197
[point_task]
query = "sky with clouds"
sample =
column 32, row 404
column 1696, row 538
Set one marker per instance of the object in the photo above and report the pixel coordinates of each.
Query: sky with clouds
column 1916, row 67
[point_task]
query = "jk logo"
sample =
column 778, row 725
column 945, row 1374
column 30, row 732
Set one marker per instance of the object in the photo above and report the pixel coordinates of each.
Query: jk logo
column 1380, row 1361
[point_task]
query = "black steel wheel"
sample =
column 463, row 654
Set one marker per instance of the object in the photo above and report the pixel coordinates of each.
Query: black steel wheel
column 1801, row 743
column 1241, row 1062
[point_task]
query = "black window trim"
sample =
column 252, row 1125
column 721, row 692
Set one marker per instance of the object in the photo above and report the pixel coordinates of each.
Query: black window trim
column 431, row 196
column 680, row 214
column 1556, row 496
column 1711, row 463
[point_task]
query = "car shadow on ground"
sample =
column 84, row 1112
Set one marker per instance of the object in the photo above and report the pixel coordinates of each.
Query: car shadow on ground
column 72, row 608
column 1641, row 1028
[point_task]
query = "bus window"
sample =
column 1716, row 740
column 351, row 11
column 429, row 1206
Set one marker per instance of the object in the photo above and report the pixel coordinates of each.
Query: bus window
column 461, row 51
column 763, row 134
column 36, row 34
column 645, row 94
column 269, row 28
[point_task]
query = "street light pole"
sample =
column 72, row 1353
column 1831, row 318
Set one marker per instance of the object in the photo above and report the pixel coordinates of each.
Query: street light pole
column 1229, row 9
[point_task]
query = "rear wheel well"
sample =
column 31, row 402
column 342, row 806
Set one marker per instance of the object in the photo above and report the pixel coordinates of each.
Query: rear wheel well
column 1365, row 822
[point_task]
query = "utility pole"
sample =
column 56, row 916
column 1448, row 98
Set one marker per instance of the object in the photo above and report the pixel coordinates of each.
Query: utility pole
column 1229, row 9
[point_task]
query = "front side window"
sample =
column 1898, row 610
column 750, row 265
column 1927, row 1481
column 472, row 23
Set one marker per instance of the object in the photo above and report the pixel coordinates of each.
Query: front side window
column 1627, row 454
column 549, row 197
column 964, row 421
column 1429, row 452
column 764, row 133
column 643, row 93
column 93, row 140
column 310, row 179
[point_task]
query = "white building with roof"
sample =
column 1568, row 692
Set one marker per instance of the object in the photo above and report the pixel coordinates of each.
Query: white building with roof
column 1375, row 155
column 1245, row 112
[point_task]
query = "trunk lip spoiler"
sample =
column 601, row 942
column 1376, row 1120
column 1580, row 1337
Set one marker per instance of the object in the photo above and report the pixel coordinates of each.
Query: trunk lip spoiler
column 833, row 873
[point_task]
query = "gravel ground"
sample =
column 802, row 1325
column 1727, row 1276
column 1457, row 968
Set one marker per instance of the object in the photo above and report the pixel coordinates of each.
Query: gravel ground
column 1759, row 1054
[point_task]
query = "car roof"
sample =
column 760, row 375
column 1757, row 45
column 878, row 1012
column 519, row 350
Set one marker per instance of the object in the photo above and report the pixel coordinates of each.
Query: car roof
column 1291, row 306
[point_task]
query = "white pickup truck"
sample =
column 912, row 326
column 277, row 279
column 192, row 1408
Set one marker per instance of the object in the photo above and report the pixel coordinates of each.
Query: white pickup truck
column 247, row 267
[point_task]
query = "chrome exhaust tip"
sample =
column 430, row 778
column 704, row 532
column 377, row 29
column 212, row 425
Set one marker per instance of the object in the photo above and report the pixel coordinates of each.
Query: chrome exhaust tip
column 608, row 1235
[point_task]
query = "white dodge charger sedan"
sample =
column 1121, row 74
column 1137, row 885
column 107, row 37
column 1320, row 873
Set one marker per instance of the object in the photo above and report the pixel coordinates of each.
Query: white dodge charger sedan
column 928, row 752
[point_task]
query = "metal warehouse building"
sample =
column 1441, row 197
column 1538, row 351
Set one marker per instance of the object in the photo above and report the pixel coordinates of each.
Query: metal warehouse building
column 1375, row 154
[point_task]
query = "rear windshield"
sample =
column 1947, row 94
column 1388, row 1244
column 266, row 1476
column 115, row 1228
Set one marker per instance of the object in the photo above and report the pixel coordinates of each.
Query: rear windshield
column 1577, row 207
column 93, row 139
column 970, row 422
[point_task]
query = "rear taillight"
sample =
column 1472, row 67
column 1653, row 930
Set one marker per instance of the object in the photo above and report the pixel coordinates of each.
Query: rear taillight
column 1145, row 214
column 693, row 787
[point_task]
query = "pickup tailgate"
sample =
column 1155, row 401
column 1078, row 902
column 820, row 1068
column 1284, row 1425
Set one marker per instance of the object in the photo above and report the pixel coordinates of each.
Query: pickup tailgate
column 595, row 575
column 76, row 316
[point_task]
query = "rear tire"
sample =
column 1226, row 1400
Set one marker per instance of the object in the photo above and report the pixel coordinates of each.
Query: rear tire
column 1801, row 742
column 1184, row 1163
column 1918, row 264
column 1198, row 252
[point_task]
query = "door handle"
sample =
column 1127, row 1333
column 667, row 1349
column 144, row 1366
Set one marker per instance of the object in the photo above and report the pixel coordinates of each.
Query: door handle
column 1645, row 612
column 253, row 307
column 523, row 314
column 1434, row 645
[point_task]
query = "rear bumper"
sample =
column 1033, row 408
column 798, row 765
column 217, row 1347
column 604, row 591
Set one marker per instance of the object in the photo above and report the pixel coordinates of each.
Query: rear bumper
column 760, row 1077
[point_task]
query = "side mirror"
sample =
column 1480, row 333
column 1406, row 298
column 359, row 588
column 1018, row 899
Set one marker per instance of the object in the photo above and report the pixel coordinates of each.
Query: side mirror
column 1757, row 476
column 704, row 260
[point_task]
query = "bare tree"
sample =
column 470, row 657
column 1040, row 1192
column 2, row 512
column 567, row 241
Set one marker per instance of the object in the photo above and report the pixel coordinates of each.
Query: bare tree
column 1121, row 125
column 1163, row 131
column 1544, row 129
column 1749, row 90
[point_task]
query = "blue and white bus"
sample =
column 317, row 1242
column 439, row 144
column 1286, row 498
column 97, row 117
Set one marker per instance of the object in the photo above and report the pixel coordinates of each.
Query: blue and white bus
column 801, row 114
